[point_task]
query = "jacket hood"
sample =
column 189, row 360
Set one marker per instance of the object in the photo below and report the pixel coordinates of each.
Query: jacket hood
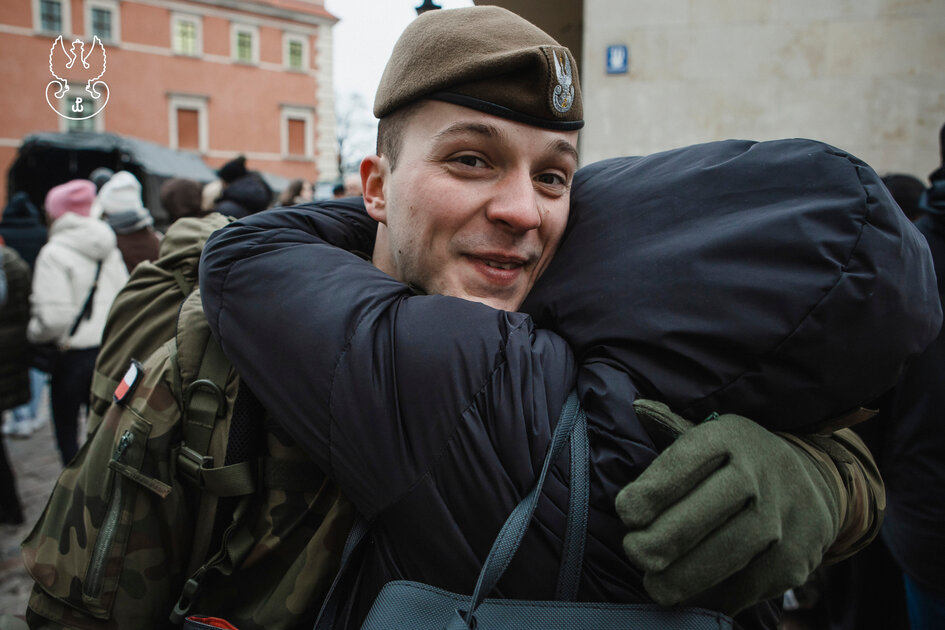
column 88, row 236
column 778, row 280
column 22, row 211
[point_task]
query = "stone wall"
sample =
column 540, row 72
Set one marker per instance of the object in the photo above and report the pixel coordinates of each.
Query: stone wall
column 865, row 75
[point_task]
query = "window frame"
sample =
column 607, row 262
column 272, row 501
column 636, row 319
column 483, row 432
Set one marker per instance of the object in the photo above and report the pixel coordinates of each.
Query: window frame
column 65, row 14
column 189, row 101
column 66, row 124
column 109, row 5
column 235, row 29
column 287, row 41
column 197, row 21
column 296, row 112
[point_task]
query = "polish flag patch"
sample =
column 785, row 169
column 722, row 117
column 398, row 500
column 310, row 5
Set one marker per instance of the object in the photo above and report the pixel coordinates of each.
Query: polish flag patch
column 128, row 383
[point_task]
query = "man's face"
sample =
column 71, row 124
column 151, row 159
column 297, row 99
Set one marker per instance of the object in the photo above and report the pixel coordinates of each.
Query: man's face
column 476, row 205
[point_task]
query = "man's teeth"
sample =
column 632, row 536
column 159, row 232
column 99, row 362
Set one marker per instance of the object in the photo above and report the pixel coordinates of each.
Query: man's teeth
column 499, row 265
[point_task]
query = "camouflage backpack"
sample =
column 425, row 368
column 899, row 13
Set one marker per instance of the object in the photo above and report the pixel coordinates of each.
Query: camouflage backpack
column 186, row 498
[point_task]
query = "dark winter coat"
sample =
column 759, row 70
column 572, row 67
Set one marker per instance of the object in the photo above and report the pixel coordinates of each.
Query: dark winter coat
column 434, row 414
column 913, row 455
column 14, row 317
column 22, row 227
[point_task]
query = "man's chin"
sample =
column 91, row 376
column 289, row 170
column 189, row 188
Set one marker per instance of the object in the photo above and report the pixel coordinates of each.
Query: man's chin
column 502, row 303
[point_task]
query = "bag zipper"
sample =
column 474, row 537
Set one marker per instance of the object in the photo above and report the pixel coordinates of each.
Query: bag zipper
column 94, row 577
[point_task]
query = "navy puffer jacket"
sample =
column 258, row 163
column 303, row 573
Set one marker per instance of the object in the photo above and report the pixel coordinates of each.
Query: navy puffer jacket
column 434, row 414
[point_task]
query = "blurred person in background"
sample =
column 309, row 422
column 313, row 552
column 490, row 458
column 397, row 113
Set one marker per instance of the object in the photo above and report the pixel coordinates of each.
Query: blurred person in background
column 14, row 366
column 353, row 185
column 23, row 229
column 906, row 190
column 898, row 582
column 298, row 191
column 244, row 191
column 120, row 199
column 77, row 275
column 210, row 194
column 181, row 197
column 912, row 457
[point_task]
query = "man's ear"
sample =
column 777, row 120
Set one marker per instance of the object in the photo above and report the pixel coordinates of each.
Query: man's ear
column 374, row 172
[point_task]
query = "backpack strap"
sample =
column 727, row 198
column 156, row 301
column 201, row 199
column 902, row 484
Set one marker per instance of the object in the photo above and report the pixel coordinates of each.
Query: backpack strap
column 203, row 404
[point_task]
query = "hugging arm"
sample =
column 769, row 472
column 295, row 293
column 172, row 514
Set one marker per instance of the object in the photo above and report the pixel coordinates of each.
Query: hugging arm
column 732, row 514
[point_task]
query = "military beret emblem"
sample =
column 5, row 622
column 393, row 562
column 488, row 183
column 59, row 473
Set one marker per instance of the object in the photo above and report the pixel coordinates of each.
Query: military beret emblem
column 563, row 96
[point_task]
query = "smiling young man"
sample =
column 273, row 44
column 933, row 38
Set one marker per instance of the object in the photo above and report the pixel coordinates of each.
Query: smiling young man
column 412, row 381
column 476, row 205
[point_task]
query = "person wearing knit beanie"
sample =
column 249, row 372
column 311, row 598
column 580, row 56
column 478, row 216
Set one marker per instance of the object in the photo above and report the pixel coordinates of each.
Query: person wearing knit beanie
column 120, row 200
column 75, row 196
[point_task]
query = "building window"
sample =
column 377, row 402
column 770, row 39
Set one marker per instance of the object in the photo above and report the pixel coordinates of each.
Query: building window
column 72, row 106
column 50, row 16
column 188, row 123
column 245, row 40
column 296, row 51
column 298, row 124
column 244, row 47
column 185, row 37
column 188, row 129
column 102, row 20
column 296, row 133
column 102, row 23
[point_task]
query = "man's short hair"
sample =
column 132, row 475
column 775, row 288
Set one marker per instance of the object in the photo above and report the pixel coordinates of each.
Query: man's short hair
column 390, row 132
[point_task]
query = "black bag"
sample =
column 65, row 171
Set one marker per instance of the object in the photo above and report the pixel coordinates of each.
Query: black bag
column 45, row 355
column 405, row 604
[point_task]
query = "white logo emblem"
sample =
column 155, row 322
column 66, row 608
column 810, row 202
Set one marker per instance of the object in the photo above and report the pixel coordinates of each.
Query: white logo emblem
column 87, row 65
column 564, row 92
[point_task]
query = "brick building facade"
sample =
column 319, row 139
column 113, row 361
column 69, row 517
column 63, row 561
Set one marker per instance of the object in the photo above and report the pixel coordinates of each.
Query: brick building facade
column 214, row 77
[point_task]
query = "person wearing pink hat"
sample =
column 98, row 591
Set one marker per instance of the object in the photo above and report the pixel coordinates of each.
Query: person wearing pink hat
column 76, row 277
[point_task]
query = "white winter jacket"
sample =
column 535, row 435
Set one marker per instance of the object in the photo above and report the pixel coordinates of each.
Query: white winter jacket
column 63, row 276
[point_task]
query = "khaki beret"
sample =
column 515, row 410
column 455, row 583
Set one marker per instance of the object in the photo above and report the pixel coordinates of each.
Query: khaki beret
column 486, row 58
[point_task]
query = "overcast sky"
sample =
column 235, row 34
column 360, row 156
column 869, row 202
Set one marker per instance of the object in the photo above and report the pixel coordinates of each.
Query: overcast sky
column 363, row 39
column 365, row 36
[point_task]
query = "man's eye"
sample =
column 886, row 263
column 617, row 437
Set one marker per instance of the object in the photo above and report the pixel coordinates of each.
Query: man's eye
column 551, row 179
column 470, row 160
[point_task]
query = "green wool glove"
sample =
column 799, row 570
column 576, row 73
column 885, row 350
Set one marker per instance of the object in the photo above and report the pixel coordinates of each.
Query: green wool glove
column 730, row 514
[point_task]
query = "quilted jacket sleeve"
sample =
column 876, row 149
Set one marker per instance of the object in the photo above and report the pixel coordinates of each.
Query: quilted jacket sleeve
column 381, row 386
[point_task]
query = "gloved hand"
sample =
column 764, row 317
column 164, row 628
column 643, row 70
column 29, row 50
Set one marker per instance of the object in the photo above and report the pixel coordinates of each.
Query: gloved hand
column 730, row 514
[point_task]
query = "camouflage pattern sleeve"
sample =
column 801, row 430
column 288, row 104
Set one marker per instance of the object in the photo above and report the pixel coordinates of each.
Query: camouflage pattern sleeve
column 843, row 457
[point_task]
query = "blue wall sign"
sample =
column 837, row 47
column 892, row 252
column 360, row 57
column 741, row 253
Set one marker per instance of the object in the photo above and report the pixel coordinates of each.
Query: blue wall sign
column 618, row 59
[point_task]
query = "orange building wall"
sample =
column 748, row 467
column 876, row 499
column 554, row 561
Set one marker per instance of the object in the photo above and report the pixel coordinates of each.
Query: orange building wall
column 145, row 24
column 16, row 14
column 243, row 101
column 216, row 36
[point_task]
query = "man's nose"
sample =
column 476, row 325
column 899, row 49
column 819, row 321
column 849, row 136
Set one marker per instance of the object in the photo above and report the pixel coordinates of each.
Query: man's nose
column 515, row 203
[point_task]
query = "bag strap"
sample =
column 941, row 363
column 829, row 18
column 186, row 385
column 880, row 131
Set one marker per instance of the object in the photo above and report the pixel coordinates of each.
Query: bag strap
column 86, row 311
column 572, row 420
column 572, row 557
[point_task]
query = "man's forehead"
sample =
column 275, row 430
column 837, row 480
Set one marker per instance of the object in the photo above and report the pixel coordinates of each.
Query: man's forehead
column 448, row 122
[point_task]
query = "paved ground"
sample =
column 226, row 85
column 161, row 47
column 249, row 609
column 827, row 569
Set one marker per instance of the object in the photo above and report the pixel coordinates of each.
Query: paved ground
column 36, row 466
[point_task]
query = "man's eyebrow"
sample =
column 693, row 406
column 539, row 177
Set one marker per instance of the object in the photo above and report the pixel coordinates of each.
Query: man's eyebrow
column 563, row 146
column 459, row 128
